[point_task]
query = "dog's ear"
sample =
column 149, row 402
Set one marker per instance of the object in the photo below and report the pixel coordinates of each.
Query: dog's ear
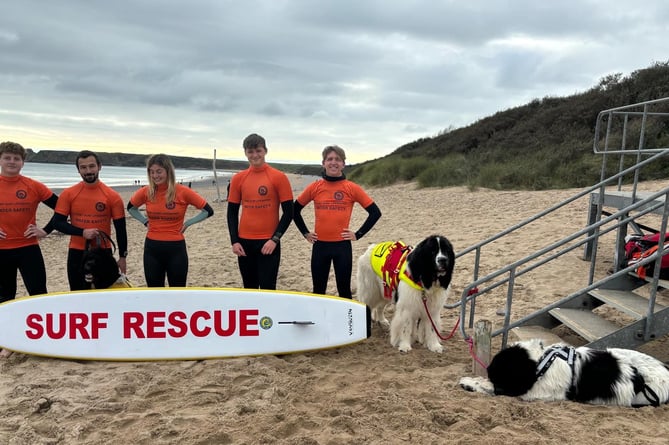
column 420, row 264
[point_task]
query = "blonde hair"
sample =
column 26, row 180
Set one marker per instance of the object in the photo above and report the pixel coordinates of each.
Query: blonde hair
column 163, row 161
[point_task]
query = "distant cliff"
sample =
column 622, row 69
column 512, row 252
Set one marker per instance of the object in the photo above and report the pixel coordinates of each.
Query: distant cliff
column 139, row 160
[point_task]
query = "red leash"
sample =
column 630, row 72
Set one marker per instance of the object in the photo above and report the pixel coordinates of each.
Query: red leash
column 457, row 323
column 469, row 340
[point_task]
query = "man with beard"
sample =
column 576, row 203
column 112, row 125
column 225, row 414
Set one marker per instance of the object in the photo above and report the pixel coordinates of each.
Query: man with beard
column 91, row 206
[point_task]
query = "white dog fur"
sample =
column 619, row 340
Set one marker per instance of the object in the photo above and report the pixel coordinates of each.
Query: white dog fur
column 431, row 262
column 613, row 376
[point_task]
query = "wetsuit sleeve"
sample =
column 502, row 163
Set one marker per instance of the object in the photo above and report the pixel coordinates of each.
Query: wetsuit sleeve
column 60, row 223
column 51, row 203
column 121, row 236
column 374, row 213
column 205, row 213
column 284, row 222
column 297, row 217
column 135, row 213
column 233, row 221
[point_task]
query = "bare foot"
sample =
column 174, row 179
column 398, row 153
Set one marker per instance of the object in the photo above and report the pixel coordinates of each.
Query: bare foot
column 4, row 353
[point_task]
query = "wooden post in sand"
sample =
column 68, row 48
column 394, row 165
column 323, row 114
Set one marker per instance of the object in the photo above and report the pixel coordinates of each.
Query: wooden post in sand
column 218, row 190
column 482, row 349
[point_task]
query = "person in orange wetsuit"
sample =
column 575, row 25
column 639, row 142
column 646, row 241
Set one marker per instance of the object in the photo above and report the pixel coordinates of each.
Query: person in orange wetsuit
column 333, row 197
column 19, row 234
column 165, row 252
column 256, row 237
column 92, row 207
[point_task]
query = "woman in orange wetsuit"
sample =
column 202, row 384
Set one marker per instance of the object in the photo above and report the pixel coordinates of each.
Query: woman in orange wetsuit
column 166, row 202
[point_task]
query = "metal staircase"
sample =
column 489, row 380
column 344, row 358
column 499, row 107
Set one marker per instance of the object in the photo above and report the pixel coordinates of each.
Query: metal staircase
column 620, row 290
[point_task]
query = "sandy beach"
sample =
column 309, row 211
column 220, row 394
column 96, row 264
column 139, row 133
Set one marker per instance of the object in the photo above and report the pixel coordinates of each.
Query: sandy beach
column 368, row 393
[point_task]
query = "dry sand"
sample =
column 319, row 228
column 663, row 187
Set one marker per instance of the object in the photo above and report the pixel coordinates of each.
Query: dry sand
column 365, row 393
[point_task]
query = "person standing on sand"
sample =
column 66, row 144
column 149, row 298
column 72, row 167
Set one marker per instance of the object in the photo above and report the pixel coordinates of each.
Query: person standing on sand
column 255, row 237
column 165, row 253
column 92, row 207
column 333, row 197
column 19, row 234
column 19, row 246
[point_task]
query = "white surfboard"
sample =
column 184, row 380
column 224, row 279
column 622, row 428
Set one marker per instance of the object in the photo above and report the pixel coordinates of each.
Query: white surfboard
column 179, row 323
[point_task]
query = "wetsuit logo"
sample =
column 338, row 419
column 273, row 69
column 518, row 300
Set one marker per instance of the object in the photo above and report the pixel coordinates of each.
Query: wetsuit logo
column 100, row 206
column 170, row 205
column 21, row 194
column 262, row 190
column 338, row 196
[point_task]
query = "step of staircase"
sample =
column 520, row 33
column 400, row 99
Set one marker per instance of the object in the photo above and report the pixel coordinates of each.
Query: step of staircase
column 528, row 332
column 628, row 302
column 664, row 284
column 585, row 323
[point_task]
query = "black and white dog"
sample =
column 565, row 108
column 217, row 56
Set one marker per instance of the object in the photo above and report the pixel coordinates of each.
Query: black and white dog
column 393, row 272
column 612, row 376
column 101, row 269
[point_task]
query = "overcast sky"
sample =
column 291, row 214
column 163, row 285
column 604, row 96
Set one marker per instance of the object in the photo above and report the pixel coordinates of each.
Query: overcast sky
column 187, row 76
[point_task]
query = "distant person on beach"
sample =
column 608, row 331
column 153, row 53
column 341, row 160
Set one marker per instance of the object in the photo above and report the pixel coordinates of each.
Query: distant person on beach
column 19, row 247
column 165, row 253
column 92, row 207
column 259, row 191
column 333, row 197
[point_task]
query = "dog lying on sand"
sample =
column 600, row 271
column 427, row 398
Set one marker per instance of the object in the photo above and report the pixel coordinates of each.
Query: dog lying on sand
column 612, row 376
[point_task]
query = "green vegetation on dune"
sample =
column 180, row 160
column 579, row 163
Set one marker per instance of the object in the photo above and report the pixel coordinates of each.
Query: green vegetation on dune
column 545, row 144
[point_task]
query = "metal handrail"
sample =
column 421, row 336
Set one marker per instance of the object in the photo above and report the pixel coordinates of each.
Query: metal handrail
column 472, row 291
column 593, row 231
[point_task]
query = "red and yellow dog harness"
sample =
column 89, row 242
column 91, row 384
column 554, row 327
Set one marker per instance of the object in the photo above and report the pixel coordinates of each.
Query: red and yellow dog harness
column 389, row 262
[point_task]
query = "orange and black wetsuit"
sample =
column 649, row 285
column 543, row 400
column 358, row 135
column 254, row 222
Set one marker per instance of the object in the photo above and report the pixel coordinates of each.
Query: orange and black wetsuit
column 333, row 199
column 259, row 191
column 89, row 206
column 165, row 253
column 19, row 198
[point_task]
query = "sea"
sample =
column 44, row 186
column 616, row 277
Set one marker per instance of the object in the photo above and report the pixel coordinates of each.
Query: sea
column 60, row 176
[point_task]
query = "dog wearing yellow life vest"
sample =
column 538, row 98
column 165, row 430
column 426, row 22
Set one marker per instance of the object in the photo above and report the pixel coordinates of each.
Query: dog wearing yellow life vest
column 393, row 272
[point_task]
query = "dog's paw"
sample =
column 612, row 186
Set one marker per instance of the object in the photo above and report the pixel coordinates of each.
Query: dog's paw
column 404, row 347
column 385, row 324
column 436, row 347
column 468, row 384
column 477, row 384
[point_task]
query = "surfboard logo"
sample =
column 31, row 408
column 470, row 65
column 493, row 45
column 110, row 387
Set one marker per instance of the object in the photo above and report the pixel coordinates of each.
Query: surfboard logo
column 266, row 323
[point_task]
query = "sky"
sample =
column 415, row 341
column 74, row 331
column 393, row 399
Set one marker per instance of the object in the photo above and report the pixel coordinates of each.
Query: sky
column 195, row 77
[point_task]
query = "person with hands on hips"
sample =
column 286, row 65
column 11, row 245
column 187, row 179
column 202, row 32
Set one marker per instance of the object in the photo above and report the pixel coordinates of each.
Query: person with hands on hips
column 165, row 253
column 333, row 197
